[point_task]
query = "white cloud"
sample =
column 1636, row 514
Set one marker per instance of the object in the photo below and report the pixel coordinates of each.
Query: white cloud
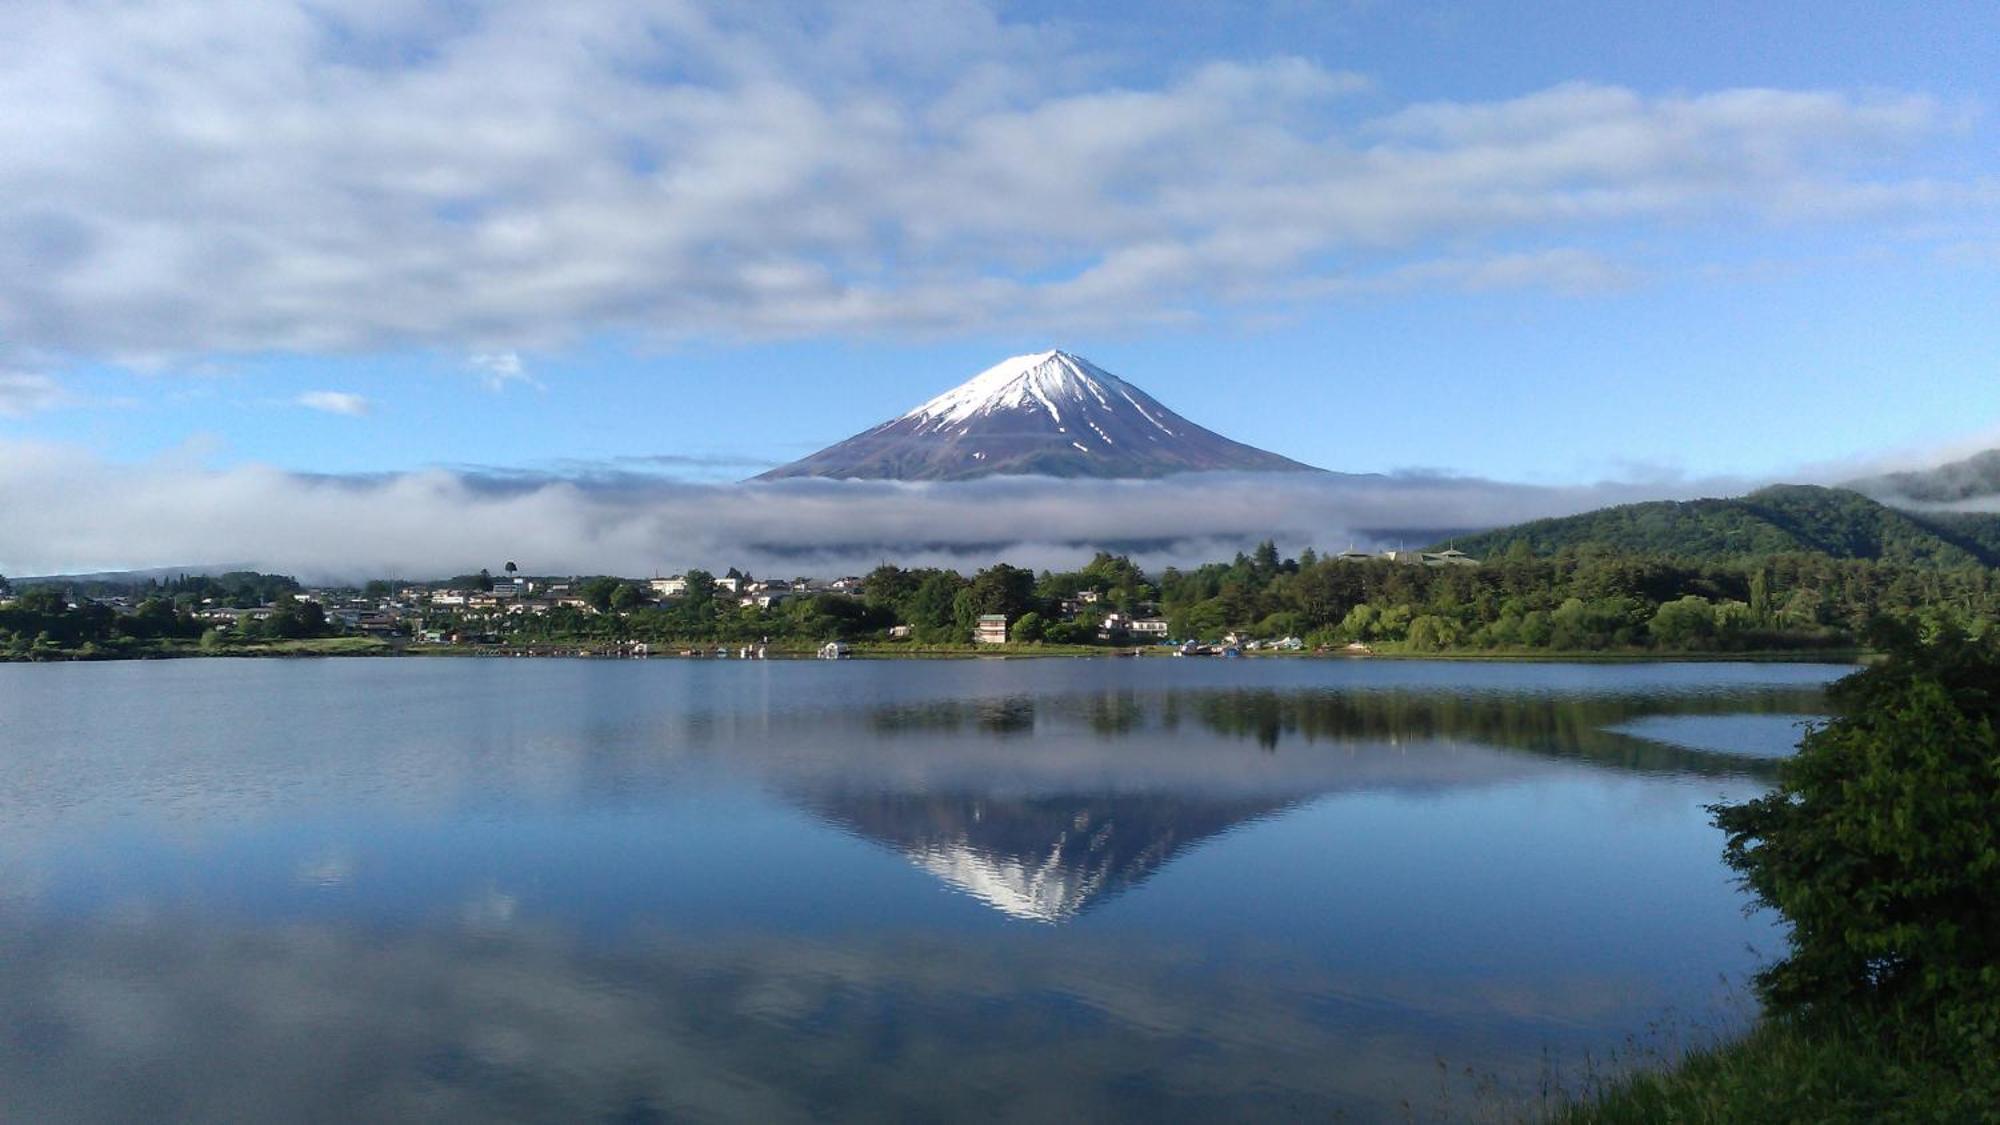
column 513, row 175
column 336, row 402
column 174, row 512
column 24, row 393
column 499, row 369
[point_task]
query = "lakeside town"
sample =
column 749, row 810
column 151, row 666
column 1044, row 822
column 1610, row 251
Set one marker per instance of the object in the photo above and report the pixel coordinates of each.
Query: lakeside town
column 524, row 613
column 1574, row 600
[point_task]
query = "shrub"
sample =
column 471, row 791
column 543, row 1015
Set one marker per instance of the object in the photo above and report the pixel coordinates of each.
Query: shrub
column 1881, row 848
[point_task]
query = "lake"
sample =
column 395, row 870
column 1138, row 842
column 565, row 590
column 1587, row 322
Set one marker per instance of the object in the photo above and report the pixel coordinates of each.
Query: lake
column 482, row 889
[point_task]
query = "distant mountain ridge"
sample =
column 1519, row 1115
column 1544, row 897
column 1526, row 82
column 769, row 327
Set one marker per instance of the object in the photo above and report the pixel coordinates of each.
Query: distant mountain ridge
column 1974, row 478
column 1050, row 414
column 1837, row 522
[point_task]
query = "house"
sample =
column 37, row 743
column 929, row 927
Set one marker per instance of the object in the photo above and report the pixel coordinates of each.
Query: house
column 669, row 587
column 1118, row 624
column 763, row 600
column 899, row 632
column 732, row 585
column 1449, row 557
column 991, row 630
column 1088, row 597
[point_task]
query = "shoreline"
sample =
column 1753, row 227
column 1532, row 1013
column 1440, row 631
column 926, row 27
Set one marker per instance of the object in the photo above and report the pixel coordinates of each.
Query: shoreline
column 376, row 648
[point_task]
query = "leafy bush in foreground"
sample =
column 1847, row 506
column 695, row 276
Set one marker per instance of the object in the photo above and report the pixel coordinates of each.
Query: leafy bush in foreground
column 1881, row 847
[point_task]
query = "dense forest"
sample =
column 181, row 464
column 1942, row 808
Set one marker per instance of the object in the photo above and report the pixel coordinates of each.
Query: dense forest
column 1577, row 600
column 1777, row 520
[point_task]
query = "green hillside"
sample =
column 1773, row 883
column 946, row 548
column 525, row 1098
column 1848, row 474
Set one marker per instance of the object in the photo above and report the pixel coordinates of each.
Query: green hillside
column 1777, row 520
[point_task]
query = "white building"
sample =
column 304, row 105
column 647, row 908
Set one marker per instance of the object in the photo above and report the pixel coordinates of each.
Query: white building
column 991, row 630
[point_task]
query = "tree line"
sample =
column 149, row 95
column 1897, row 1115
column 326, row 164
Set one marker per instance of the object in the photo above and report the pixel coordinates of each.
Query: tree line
column 1581, row 599
column 41, row 623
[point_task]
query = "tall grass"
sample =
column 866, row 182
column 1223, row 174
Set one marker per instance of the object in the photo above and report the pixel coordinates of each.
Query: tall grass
column 1798, row 1070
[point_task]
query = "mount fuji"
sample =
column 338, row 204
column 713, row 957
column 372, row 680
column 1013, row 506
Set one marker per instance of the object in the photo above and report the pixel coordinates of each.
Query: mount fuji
column 1050, row 414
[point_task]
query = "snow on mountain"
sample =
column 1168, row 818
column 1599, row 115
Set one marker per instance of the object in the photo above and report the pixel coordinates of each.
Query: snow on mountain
column 1050, row 413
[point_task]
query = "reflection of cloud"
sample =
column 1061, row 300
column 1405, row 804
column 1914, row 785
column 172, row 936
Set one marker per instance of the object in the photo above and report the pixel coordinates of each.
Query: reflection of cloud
column 447, row 1025
column 490, row 909
column 62, row 509
column 330, row 869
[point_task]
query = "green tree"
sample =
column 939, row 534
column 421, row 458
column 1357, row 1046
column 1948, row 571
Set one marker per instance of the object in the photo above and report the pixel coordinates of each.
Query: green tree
column 1431, row 633
column 1003, row 589
column 597, row 591
column 930, row 609
column 292, row 619
column 43, row 601
column 1684, row 623
column 1880, row 846
column 1028, row 629
column 696, row 609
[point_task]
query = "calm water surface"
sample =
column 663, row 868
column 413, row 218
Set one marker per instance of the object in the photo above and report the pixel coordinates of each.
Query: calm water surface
column 1029, row 890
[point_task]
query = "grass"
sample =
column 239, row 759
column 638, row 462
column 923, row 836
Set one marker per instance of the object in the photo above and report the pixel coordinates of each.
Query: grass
column 1790, row 1071
column 318, row 646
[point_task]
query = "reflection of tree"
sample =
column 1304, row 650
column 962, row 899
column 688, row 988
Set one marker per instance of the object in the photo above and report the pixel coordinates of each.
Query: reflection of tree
column 1008, row 715
column 1572, row 727
column 1044, row 829
column 1564, row 727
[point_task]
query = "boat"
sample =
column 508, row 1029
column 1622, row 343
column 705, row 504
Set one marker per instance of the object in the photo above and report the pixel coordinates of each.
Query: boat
column 834, row 650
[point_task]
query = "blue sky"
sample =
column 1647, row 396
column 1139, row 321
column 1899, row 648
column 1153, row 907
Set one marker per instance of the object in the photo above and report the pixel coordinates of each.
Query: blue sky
column 1553, row 243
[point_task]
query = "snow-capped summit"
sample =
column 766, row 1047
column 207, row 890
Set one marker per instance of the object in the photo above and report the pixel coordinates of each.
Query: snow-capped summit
column 1049, row 413
column 1052, row 380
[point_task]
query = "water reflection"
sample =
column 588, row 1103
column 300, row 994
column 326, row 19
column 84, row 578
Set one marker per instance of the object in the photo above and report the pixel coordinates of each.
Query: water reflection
column 468, row 890
column 200, row 1022
column 1044, row 832
column 1040, row 858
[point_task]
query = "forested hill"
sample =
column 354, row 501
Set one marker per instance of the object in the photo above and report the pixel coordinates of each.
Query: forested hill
column 1781, row 519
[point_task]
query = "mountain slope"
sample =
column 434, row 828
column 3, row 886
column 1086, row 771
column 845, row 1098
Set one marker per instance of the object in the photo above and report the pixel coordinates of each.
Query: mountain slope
column 1775, row 520
column 1976, row 477
column 1052, row 414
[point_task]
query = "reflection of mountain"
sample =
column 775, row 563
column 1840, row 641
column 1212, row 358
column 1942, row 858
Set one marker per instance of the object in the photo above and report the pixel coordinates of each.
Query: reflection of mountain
column 1045, row 858
column 1043, row 807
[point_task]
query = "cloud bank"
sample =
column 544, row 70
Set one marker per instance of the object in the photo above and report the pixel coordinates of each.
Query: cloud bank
column 255, row 176
column 439, row 522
